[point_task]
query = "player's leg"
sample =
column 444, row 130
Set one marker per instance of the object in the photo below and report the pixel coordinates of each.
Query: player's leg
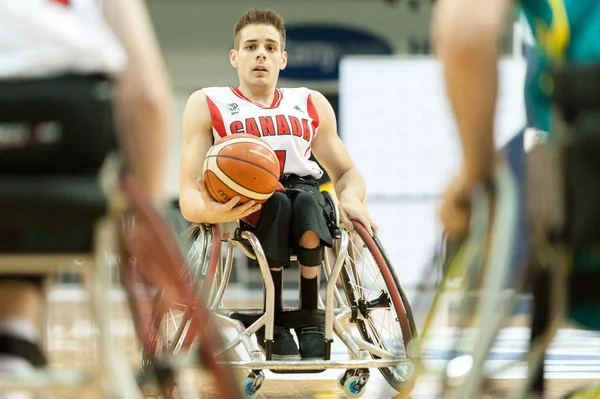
column 273, row 233
column 21, row 307
column 310, row 235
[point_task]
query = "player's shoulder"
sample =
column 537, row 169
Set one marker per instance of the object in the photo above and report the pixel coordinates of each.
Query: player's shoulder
column 294, row 91
column 216, row 90
column 199, row 96
column 299, row 89
column 197, row 109
column 317, row 95
column 318, row 99
column 314, row 95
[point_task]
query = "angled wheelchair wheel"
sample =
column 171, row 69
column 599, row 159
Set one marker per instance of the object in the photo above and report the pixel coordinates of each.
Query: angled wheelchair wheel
column 153, row 271
column 199, row 273
column 385, row 317
column 202, row 257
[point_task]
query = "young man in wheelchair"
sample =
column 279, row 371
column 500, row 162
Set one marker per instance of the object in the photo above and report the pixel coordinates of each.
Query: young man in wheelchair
column 563, row 182
column 292, row 220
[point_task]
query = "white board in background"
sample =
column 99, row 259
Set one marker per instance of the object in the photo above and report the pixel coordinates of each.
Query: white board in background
column 396, row 121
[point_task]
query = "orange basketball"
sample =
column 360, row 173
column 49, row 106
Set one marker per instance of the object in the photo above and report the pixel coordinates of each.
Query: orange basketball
column 241, row 165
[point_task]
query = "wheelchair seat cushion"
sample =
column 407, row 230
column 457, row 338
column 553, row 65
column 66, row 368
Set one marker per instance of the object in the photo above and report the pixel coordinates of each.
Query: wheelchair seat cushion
column 49, row 214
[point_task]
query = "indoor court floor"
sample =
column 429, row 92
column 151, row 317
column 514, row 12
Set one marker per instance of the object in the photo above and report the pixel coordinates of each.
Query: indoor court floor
column 573, row 361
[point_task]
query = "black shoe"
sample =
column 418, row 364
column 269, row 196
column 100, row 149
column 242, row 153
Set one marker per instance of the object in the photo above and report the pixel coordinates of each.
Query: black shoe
column 284, row 347
column 312, row 341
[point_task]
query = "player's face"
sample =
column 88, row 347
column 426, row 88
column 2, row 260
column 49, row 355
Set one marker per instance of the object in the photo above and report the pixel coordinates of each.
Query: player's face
column 259, row 56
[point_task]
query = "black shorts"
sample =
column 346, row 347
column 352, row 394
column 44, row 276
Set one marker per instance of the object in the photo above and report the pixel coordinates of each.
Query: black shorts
column 55, row 134
column 55, row 126
column 286, row 217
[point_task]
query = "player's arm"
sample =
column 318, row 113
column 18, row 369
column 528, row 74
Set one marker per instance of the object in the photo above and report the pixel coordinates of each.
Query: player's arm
column 194, row 201
column 143, row 96
column 466, row 36
column 197, row 139
column 329, row 150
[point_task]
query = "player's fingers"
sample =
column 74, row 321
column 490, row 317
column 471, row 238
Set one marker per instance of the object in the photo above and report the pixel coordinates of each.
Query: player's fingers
column 242, row 208
column 455, row 221
column 250, row 211
column 206, row 197
column 374, row 225
column 345, row 220
column 232, row 203
column 366, row 224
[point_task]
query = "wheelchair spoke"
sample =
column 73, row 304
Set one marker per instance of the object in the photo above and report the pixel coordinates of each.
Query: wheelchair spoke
column 380, row 305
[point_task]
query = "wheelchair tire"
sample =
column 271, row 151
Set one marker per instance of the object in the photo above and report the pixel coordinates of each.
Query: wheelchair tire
column 395, row 297
column 152, row 269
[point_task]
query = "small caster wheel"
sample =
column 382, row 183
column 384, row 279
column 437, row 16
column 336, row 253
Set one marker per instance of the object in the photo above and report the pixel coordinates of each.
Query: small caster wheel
column 354, row 388
column 339, row 381
column 251, row 384
column 249, row 389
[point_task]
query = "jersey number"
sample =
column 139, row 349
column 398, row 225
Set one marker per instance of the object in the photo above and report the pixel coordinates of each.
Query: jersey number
column 281, row 154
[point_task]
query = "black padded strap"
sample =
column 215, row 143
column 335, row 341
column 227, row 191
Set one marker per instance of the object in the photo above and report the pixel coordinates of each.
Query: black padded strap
column 310, row 257
column 10, row 345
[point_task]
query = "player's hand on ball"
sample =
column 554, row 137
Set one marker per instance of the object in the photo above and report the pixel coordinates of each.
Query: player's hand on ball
column 351, row 208
column 230, row 211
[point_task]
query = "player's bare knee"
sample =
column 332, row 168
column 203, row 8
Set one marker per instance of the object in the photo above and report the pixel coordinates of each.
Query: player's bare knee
column 310, row 239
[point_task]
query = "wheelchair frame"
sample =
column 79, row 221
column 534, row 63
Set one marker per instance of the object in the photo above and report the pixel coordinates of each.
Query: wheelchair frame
column 361, row 351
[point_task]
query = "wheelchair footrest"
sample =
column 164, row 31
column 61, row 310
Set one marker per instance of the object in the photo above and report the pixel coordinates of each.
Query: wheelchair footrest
column 313, row 365
column 303, row 371
column 48, row 381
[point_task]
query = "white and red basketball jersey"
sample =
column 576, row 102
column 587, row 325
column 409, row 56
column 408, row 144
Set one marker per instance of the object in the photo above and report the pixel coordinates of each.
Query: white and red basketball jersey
column 39, row 38
column 289, row 125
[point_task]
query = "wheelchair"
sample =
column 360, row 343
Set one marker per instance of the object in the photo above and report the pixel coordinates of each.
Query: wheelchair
column 365, row 307
column 561, row 200
column 124, row 231
column 488, row 291
column 69, row 206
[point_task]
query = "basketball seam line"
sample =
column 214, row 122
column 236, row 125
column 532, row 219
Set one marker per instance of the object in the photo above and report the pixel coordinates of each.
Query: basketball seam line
column 210, row 187
column 233, row 185
column 251, row 139
column 244, row 161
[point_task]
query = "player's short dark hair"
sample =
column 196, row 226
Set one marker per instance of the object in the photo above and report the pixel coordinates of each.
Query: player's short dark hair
column 259, row 17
